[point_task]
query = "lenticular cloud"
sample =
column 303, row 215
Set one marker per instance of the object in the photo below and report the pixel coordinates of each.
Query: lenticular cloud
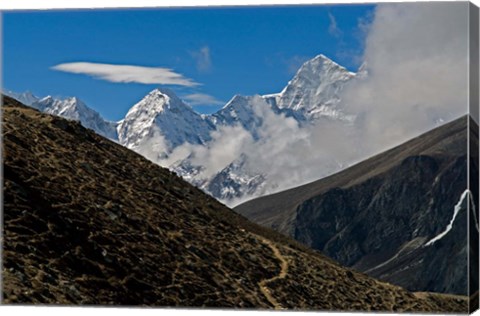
column 127, row 73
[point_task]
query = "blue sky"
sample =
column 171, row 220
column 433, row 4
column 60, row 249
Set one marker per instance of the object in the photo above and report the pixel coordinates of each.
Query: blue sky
column 215, row 53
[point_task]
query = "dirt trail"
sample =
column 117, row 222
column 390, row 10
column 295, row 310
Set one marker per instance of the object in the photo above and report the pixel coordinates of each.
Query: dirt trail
column 283, row 272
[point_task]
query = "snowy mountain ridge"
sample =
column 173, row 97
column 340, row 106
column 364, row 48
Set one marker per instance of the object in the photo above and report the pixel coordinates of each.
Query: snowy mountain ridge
column 161, row 124
column 315, row 90
column 75, row 109
column 162, row 114
column 311, row 96
column 26, row 97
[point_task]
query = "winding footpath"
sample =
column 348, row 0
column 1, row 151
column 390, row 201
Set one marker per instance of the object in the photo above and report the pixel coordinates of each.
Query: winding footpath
column 283, row 272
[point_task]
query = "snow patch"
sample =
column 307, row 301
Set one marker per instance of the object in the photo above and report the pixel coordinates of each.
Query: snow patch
column 449, row 227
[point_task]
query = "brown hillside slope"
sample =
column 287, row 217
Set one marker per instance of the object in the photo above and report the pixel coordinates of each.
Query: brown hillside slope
column 87, row 221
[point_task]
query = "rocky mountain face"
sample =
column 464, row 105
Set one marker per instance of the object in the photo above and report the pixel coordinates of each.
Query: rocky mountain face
column 233, row 180
column 87, row 221
column 400, row 216
column 161, row 122
column 474, row 206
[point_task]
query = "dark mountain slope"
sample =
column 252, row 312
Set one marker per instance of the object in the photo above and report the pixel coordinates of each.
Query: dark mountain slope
column 379, row 216
column 474, row 207
column 87, row 221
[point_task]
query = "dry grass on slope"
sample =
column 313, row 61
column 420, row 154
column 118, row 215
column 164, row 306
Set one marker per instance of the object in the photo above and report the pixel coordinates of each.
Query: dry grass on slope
column 87, row 221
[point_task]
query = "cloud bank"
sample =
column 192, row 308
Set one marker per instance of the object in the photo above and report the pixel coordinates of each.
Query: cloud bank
column 127, row 73
column 417, row 63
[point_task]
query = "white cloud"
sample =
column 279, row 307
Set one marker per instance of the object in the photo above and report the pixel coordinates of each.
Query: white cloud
column 333, row 28
column 127, row 73
column 227, row 144
column 202, row 99
column 155, row 148
column 202, row 59
column 291, row 155
column 416, row 56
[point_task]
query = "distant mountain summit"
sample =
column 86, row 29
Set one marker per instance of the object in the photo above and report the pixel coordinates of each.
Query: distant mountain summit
column 75, row 109
column 161, row 122
column 161, row 118
column 26, row 97
column 240, row 110
column 314, row 91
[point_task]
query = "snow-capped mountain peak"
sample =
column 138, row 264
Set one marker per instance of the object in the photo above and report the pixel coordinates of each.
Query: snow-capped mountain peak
column 75, row 109
column 241, row 110
column 161, row 122
column 26, row 97
column 161, row 114
column 314, row 91
column 157, row 103
column 159, row 100
column 71, row 107
column 319, row 65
